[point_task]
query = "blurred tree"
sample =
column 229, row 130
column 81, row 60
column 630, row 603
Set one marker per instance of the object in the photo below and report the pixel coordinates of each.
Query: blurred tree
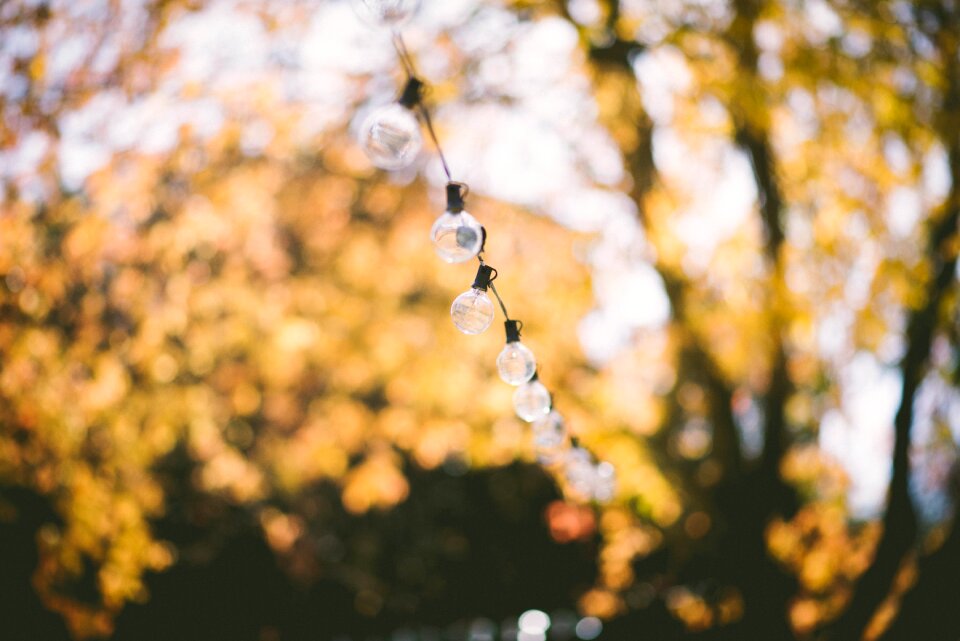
column 858, row 77
column 221, row 333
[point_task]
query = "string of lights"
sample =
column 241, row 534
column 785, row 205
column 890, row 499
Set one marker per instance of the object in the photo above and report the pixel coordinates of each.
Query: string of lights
column 391, row 137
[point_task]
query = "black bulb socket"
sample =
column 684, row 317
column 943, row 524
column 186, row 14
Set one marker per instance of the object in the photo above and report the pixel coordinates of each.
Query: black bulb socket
column 483, row 278
column 454, row 198
column 412, row 93
column 513, row 330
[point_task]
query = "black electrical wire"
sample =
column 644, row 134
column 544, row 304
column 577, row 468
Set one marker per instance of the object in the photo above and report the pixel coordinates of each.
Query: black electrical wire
column 503, row 307
column 413, row 97
column 407, row 61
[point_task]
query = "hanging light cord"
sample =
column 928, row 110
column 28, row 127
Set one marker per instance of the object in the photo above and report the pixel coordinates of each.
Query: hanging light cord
column 496, row 294
column 503, row 307
column 416, row 99
column 407, row 61
column 403, row 53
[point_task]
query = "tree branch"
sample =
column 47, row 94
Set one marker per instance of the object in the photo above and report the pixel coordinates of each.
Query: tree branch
column 929, row 611
column 900, row 522
column 746, row 501
column 755, row 142
column 726, row 445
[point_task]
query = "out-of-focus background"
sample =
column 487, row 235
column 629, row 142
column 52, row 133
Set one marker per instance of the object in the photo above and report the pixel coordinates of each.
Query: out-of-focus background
column 232, row 403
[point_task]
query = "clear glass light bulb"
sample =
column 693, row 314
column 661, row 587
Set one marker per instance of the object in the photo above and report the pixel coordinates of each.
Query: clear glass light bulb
column 580, row 472
column 516, row 363
column 456, row 237
column 472, row 311
column 549, row 437
column 531, row 401
column 391, row 137
column 385, row 12
column 604, row 482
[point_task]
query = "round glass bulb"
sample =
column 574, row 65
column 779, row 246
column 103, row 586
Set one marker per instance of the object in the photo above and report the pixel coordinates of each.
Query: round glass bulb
column 391, row 136
column 456, row 237
column 531, row 401
column 549, row 437
column 385, row 12
column 604, row 482
column 516, row 363
column 580, row 472
column 472, row 311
